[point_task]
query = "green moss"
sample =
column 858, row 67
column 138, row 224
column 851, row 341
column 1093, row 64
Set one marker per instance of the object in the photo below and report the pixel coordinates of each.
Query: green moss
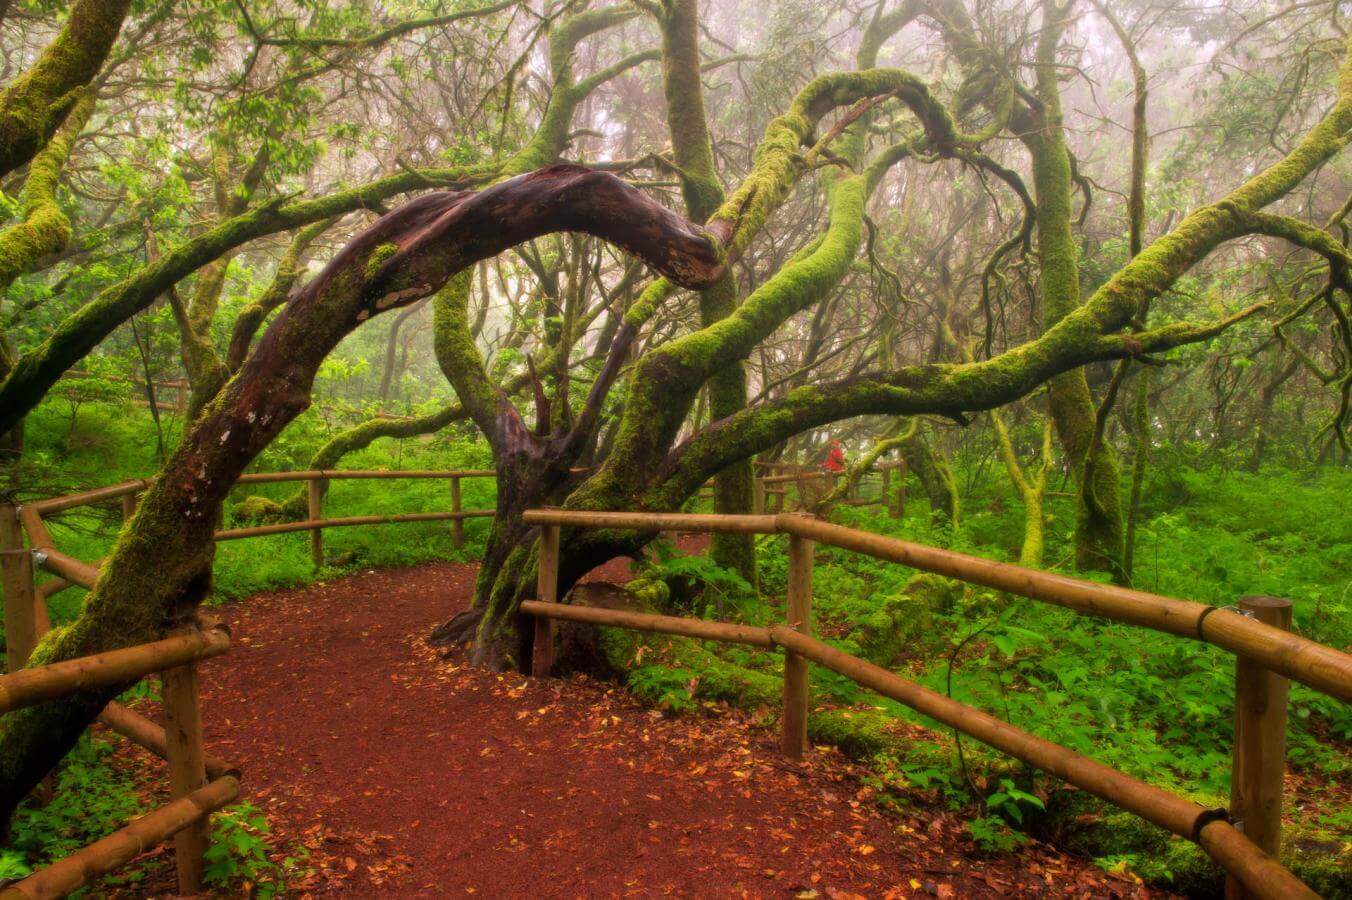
column 877, row 629
column 258, row 509
column 36, row 103
column 45, row 228
column 458, row 353
column 378, row 257
column 1085, row 825
column 650, row 590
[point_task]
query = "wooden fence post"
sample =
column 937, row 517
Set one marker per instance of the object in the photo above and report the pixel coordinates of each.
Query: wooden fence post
column 1259, row 762
column 20, row 599
column 757, row 495
column 21, row 628
column 129, row 503
column 457, row 525
column 798, row 615
column 315, row 512
column 899, row 511
column 547, row 591
column 187, row 768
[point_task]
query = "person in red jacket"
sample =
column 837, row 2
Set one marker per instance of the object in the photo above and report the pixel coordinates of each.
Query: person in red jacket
column 835, row 460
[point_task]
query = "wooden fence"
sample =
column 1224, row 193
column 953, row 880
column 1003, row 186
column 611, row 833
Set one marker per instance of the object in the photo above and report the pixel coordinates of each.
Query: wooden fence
column 1267, row 654
column 179, row 387
column 1244, row 840
column 199, row 782
column 812, row 483
column 179, row 739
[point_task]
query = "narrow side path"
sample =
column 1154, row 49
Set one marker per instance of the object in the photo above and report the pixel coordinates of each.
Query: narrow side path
column 410, row 775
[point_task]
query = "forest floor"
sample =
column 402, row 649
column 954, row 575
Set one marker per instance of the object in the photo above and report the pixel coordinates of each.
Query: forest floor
column 411, row 775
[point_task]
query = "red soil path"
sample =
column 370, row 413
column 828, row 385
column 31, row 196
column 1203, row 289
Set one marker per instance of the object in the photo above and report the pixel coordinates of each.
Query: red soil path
column 409, row 775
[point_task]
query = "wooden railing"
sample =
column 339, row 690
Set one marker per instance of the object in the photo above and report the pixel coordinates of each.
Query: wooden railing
column 199, row 783
column 74, row 572
column 136, row 387
column 1244, row 840
column 771, row 489
column 179, row 739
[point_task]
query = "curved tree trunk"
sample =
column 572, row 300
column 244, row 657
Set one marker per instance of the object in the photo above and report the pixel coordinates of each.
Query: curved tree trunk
column 1098, row 533
column 160, row 569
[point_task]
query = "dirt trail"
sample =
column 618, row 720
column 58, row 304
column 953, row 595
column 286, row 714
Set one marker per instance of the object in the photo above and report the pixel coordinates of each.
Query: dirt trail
column 409, row 775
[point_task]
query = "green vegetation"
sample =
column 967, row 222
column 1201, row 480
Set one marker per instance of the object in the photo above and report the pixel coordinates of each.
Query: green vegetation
column 617, row 252
column 1154, row 706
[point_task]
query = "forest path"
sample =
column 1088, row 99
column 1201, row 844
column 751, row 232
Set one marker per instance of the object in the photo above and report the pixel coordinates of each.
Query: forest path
column 409, row 775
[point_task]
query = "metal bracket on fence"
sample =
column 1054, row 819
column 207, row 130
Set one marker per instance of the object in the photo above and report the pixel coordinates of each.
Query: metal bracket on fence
column 1206, row 817
column 39, row 558
column 1211, row 609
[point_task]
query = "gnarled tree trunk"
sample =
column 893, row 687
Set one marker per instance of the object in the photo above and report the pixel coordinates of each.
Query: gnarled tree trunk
column 160, row 569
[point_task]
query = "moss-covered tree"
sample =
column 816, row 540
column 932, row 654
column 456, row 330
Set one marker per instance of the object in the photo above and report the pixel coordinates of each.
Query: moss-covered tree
column 838, row 137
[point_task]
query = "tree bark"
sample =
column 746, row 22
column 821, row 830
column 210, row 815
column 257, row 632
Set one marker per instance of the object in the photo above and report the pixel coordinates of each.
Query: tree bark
column 692, row 151
column 1098, row 533
column 935, row 477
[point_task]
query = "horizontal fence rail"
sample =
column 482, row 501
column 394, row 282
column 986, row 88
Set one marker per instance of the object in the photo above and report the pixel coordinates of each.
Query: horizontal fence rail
column 29, row 687
column 623, row 618
column 121, row 847
column 235, row 534
column 1306, row 661
column 1264, row 652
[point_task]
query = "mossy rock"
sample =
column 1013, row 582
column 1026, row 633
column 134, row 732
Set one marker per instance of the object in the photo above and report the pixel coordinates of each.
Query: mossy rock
column 650, row 591
column 900, row 619
column 877, row 630
column 936, row 592
column 258, row 509
column 295, row 508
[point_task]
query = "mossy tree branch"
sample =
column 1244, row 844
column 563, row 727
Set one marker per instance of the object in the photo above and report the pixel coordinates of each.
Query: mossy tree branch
column 952, row 390
column 33, row 106
column 44, row 227
column 36, row 371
